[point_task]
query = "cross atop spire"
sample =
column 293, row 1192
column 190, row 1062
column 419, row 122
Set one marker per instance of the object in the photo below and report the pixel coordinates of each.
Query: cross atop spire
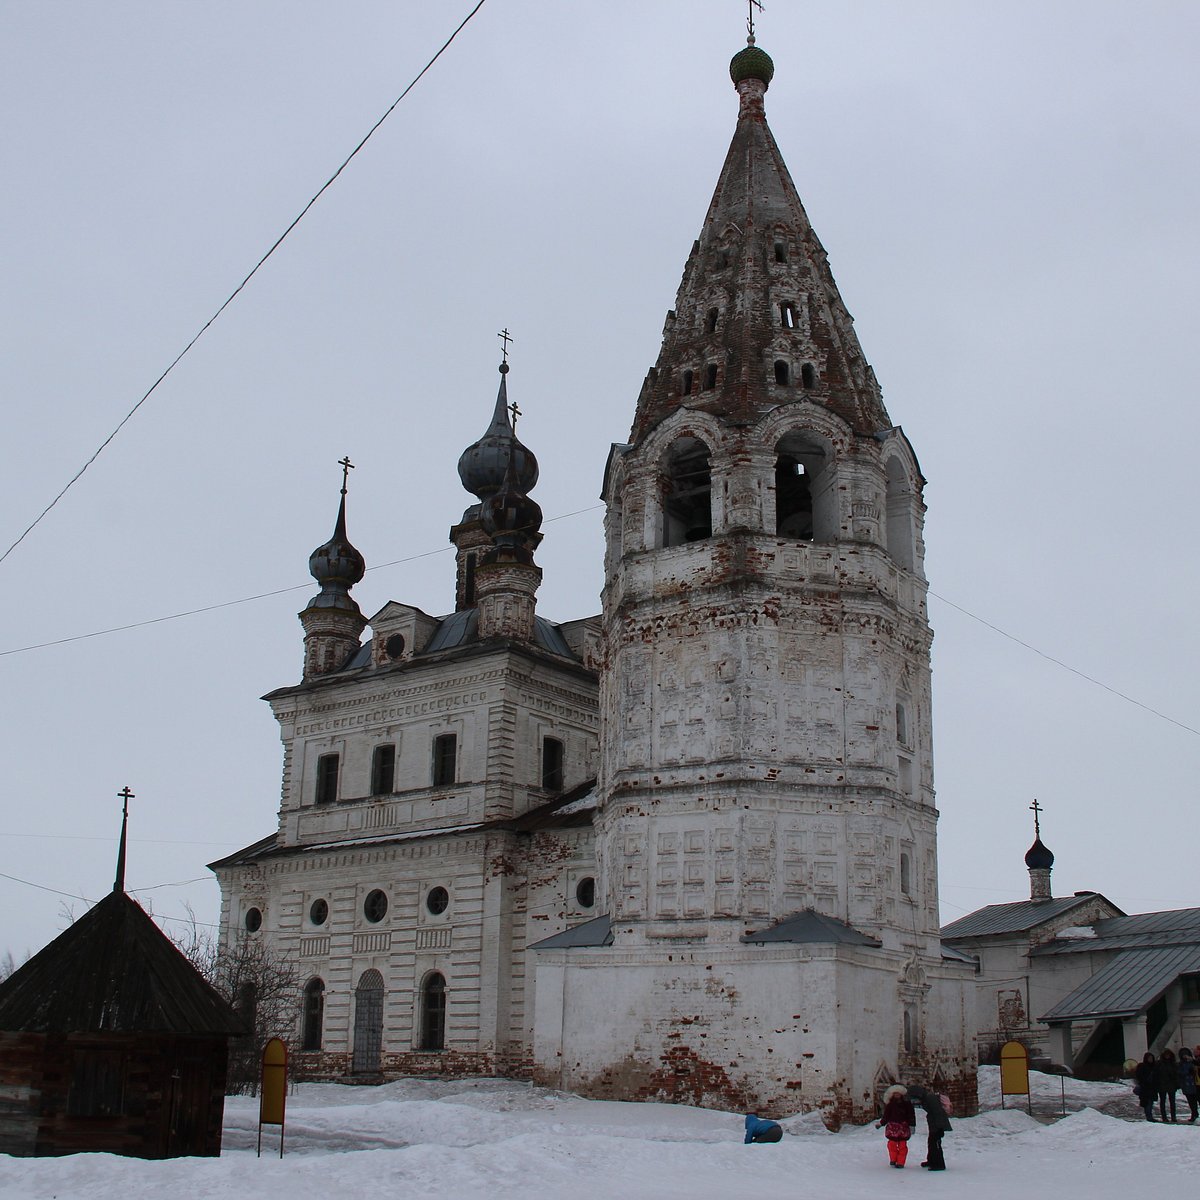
column 125, row 795
column 750, row 20
column 347, row 466
column 1036, row 809
column 505, row 337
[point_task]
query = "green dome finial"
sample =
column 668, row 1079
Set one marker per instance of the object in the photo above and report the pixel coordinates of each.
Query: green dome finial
column 751, row 63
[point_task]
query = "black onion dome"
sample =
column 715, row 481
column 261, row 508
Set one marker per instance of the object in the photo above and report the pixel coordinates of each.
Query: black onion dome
column 337, row 566
column 1038, row 857
column 510, row 518
column 483, row 465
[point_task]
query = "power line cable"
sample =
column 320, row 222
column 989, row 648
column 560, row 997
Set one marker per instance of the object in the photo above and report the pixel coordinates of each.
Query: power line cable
column 233, row 295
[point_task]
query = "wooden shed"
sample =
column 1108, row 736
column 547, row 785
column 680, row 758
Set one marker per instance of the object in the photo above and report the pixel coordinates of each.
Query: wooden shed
column 110, row 1040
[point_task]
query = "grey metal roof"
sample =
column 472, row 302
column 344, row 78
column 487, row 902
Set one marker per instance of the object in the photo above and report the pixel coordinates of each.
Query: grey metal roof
column 462, row 627
column 953, row 954
column 811, row 926
column 1128, row 985
column 1178, row 927
column 1012, row 918
column 596, row 932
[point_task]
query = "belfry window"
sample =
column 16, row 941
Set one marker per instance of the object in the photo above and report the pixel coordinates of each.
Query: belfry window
column 685, row 383
column 803, row 498
column 710, row 377
column 905, row 875
column 433, row 1012
column 327, row 779
column 710, row 323
column 383, row 770
column 781, row 252
column 900, row 534
column 783, row 374
column 687, row 498
column 445, row 759
column 808, row 376
column 787, row 315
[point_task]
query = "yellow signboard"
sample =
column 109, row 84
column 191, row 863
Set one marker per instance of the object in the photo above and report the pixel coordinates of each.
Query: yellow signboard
column 272, row 1094
column 1014, row 1070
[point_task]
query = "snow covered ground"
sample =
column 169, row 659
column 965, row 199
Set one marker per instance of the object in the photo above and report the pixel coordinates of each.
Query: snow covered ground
column 497, row 1139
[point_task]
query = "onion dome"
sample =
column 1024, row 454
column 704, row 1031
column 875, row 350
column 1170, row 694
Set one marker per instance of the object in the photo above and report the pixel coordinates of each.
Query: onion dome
column 483, row 466
column 337, row 566
column 510, row 517
column 752, row 63
column 1038, row 857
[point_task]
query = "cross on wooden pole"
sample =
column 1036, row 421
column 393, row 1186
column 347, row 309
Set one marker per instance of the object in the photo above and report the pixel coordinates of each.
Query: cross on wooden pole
column 125, row 796
column 1036, row 809
column 347, row 466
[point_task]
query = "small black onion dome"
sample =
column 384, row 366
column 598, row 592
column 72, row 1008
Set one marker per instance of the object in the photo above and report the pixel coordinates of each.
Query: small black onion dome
column 483, row 465
column 510, row 518
column 337, row 566
column 752, row 63
column 1038, row 858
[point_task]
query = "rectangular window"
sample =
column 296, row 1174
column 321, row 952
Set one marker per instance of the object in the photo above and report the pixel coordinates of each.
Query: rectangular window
column 383, row 771
column 327, row 778
column 552, row 764
column 445, row 759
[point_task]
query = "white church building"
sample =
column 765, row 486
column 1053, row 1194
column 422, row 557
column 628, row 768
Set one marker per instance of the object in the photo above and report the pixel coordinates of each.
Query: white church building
column 685, row 849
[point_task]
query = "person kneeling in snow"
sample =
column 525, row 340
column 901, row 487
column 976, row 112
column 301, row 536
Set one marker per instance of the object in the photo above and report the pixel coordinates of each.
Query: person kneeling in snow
column 758, row 1130
column 897, row 1123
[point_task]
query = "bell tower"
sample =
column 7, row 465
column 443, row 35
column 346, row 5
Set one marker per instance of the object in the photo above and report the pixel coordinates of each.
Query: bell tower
column 766, row 836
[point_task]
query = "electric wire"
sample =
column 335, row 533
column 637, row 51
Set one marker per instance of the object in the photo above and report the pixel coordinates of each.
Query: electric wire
column 234, row 294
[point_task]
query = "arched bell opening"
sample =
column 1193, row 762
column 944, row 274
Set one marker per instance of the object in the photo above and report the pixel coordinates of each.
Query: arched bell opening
column 687, row 493
column 803, row 493
column 900, row 535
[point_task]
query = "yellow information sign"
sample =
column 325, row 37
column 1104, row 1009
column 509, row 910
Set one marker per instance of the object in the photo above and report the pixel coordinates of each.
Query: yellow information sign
column 272, row 1094
column 1014, row 1070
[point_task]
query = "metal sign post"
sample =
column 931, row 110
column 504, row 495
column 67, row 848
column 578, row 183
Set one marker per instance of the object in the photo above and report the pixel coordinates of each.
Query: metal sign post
column 1014, row 1073
column 272, row 1093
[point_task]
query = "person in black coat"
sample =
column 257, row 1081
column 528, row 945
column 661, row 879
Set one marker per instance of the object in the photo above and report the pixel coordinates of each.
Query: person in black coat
column 1145, row 1083
column 1187, row 1081
column 1166, row 1074
column 938, row 1123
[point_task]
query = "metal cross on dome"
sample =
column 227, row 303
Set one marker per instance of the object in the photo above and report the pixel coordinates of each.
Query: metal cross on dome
column 750, row 19
column 347, row 466
column 505, row 337
column 1036, row 809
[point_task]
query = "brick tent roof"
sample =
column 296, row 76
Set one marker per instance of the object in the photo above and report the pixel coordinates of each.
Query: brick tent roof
column 113, row 971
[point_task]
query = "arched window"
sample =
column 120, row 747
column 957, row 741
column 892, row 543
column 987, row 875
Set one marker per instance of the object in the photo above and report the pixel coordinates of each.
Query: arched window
column 710, row 322
column 804, row 498
column 710, row 377
column 782, row 373
column 787, row 315
column 368, row 1022
column 312, row 1025
column 808, row 376
column 905, row 874
column 908, row 1031
column 433, row 1012
column 685, row 383
column 687, row 498
column 781, row 252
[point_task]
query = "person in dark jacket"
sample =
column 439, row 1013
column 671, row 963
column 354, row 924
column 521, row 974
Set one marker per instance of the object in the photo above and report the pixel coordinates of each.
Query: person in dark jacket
column 897, row 1123
column 938, row 1123
column 1166, row 1074
column 1187, row 1081
column 1145, row 1084
column 758, row 1130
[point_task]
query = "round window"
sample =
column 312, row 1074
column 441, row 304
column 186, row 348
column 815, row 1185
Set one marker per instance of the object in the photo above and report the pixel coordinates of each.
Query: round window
column 394, row 646
column 375, row 906
column 318, row 914
column 438, row 900
column 253, row 919
column 585, row 892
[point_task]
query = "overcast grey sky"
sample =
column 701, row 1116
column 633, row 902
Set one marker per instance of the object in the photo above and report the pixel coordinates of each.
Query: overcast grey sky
column 1008, row 193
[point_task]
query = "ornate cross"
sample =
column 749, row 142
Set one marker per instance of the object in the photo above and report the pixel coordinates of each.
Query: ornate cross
column 505, row 337
column 1036, row 808
column 516, row 412
column 347, row 466
column 750, row 19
